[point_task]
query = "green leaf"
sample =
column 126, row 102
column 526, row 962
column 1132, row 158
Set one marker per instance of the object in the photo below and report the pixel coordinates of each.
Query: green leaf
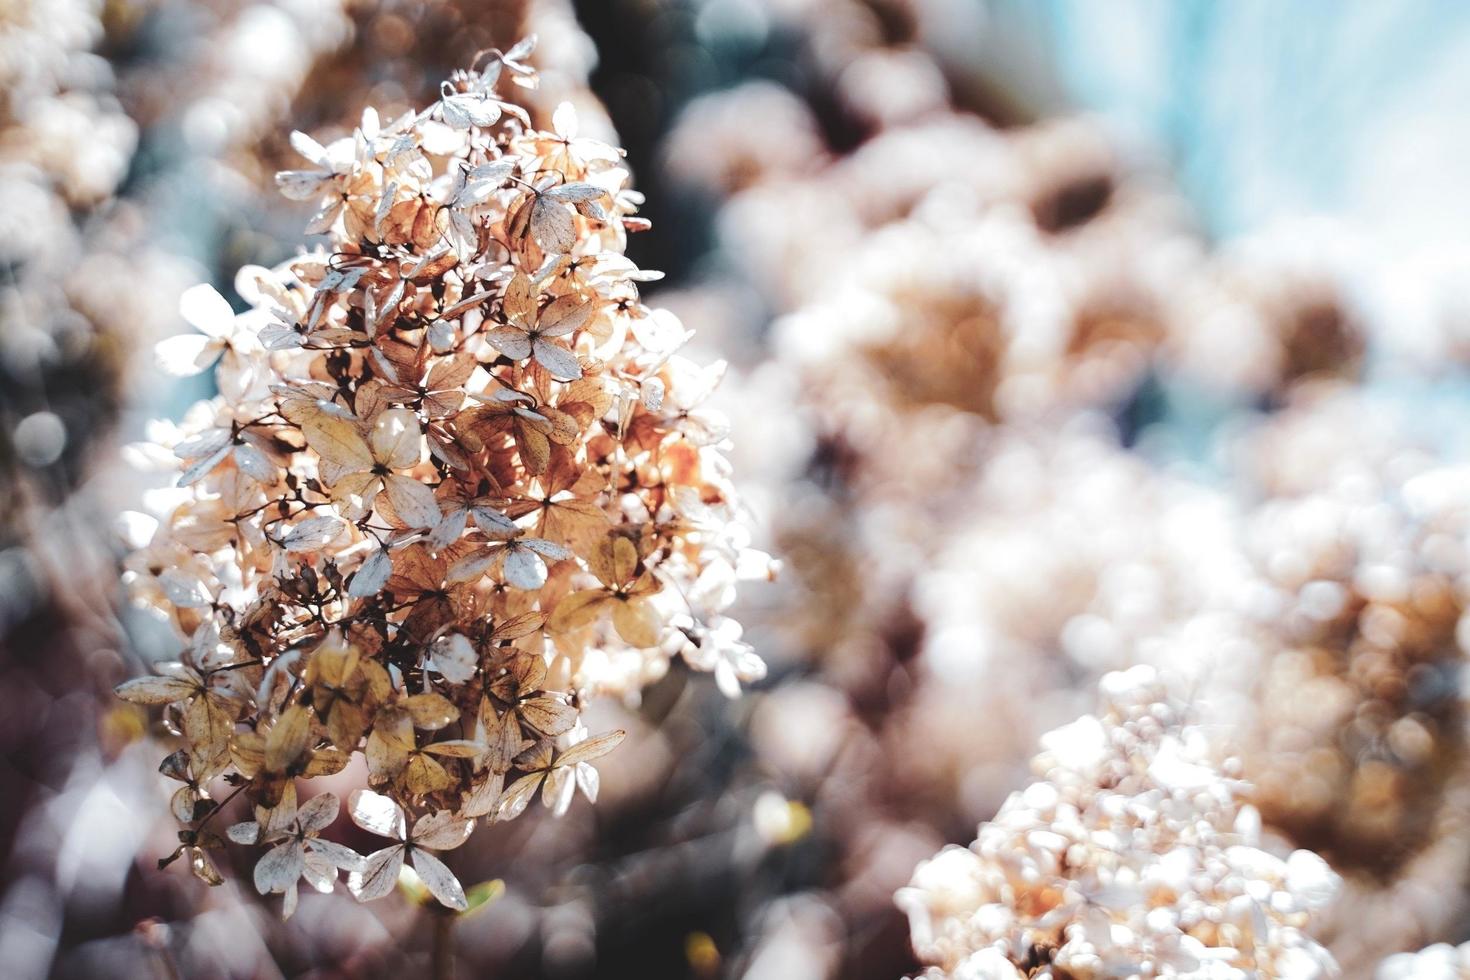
column 478, row 896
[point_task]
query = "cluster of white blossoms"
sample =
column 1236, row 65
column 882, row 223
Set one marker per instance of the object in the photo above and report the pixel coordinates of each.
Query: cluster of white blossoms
column 975, row 541
column 458, row 479
column 1132, row 855
column 65, row 146
column 1438, row 962
column 1064, row 558
column 1359, row 601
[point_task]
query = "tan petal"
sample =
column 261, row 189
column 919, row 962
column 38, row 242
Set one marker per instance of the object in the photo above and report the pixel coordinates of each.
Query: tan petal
column 288, row 738
column 337, row 442
column 519, row 302
column 155, row 690
column 577, row 610
column 424, row 775
column 552, row 226
column 638, row 622
column 565, row 315
column 592, row 748
column 548, row 715
column 513, row 803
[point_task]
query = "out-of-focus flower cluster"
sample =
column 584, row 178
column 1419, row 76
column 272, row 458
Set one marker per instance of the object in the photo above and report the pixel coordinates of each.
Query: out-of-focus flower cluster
column 457, row 480
column 1359, row 602
column 974, row 511
column 1438, row 962
column 65, row 146
column 1132, row 855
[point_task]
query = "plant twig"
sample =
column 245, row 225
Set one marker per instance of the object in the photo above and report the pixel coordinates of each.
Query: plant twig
column 442, row 957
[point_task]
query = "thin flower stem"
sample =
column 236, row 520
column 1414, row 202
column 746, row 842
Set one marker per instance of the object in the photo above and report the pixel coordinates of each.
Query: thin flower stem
column 167, row 965
column 222, row 804
column 442, row 957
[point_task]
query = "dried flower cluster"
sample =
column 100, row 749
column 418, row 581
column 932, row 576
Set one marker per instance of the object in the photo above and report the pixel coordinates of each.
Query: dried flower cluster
column 1132, row 856
column 457, row 480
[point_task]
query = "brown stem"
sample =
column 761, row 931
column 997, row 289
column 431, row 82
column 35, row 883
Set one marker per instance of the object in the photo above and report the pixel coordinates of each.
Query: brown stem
column 154, row 936
column 442, row 961
column 167, row 964
column 223, row 803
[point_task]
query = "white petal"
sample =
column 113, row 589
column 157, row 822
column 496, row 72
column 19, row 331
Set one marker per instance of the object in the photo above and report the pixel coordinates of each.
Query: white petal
column 511, row 342
column 256, row 284
column 339, row 855
column 413, row 502
column 726, row 679
column 207, row 311
column 455, row 658
column 280, row 336
column 660, row 331
column 550, row 549
column 202, row 468
column 247, row 832
column 377, row 814
column 184, row 591
column 308, row 147
column 288, row 905
column 253, row 463
column 556, row 795
column 513, row 803
column 574, row 193
column 441, row 830
column 441, row 336
column 371, row 576
column 279, row 868
column 320, row 873
column 438, row 879
column 552, row 225
column 523, row 569
column 493, row 522
column 651, row 391
column 312, row 533
column 451, row 526
column 207, row 442
column 564, row 121
column 561, row 362
column 302, row 185
column 317, row 814
column 378, row 875
column 186, row 354
column 589, row 780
